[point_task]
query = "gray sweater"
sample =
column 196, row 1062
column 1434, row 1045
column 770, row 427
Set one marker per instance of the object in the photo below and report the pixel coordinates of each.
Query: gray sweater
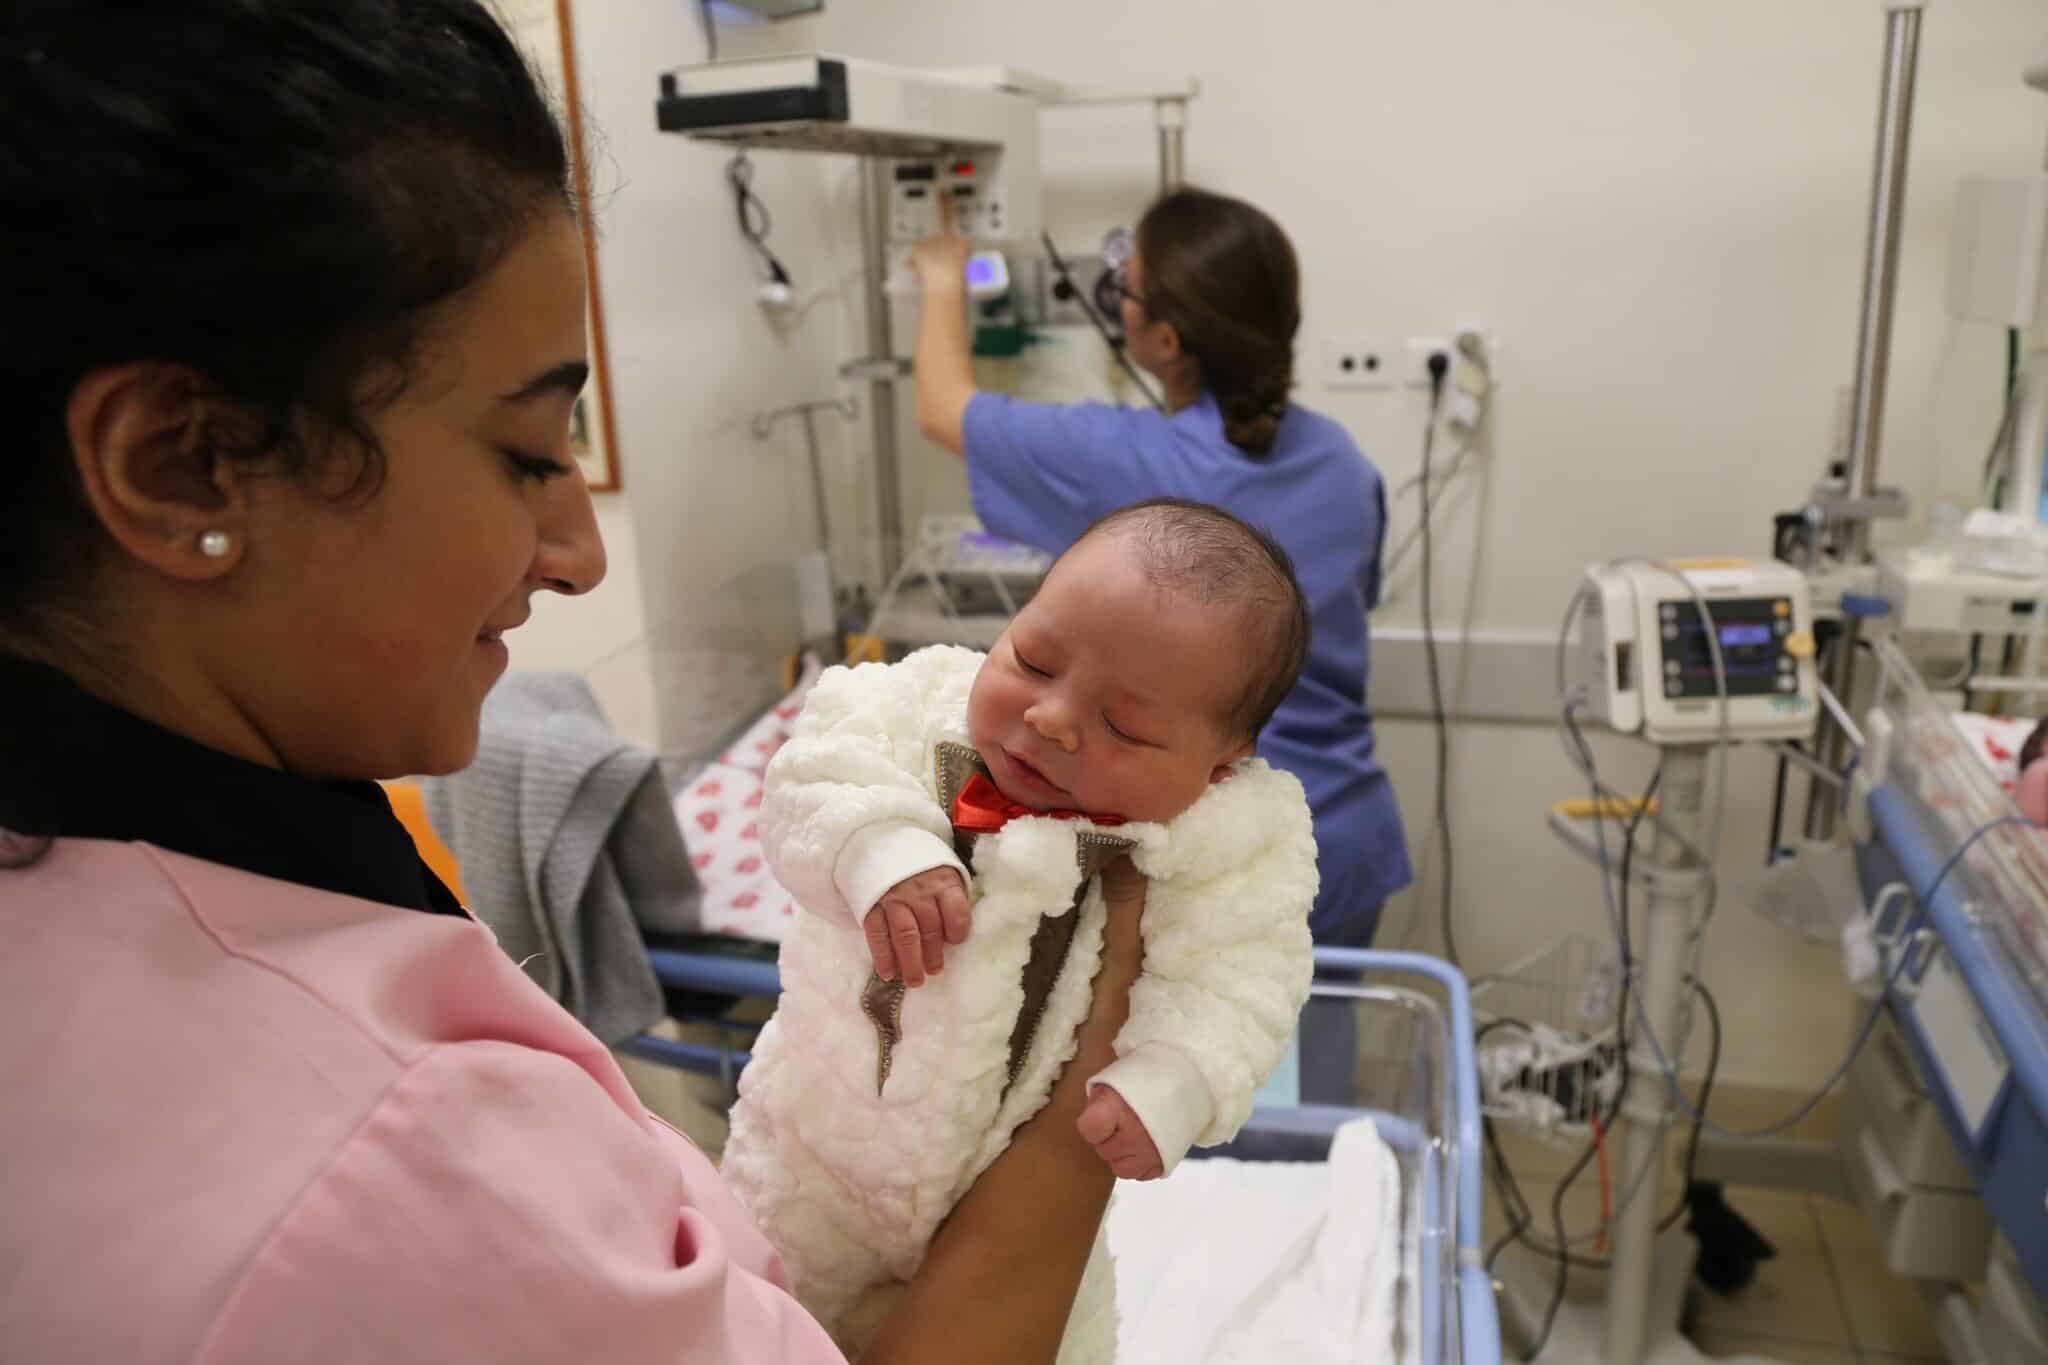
column 569, row 847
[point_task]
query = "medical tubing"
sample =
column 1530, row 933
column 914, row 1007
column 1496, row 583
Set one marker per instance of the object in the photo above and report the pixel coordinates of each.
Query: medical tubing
column 1912, row 927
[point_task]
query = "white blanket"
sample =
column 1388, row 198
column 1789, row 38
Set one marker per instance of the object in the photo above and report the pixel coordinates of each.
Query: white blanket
column 1255, row 1262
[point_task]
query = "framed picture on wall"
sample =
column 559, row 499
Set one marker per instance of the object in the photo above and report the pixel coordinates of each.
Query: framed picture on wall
column 543, row 29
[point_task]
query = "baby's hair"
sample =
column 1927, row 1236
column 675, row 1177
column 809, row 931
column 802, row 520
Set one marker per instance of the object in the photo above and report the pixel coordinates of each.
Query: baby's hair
column 1201, row 550
column 2036, row 741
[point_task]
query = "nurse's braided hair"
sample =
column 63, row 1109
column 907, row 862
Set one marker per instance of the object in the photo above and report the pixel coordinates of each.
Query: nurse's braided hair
column 270, row 192
column 1225, row 276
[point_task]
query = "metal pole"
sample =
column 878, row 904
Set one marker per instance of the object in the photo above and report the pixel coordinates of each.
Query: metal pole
column 1881, row 255
column 1172, row 115
column 817, row 479
column 874, row 239
column 1646, row 1110
column 1873, row 356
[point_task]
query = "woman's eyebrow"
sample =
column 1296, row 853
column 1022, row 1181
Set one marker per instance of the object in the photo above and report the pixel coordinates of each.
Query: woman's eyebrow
column 568, row 377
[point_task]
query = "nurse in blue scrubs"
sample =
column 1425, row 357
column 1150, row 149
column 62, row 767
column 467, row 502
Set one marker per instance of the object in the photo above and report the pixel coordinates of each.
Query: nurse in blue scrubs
column 1210, row 301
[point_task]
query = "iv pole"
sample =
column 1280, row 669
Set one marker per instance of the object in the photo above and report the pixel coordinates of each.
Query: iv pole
column 1640, row 1309
column 1863, row 501
column 2029, row 435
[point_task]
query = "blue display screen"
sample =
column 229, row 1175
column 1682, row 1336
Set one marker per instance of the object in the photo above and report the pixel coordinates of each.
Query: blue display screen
column 1750, row 631
column 980, row 271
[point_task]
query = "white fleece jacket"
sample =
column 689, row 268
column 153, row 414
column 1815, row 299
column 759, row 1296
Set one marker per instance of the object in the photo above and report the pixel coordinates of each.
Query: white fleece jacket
column 849, row 1175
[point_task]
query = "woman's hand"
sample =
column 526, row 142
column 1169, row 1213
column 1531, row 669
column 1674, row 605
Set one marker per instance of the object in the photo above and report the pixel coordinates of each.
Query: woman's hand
column 1123, row 946
column 1015, row 1246
column 942, row 363
column 940, row 260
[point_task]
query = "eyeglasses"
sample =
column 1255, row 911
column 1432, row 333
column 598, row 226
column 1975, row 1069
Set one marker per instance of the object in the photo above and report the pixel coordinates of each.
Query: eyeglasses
column 1112, row 287
column 1120, row 281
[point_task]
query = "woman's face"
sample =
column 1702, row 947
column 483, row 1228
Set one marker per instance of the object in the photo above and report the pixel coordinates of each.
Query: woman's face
column 381, row 619
column 1130, row 310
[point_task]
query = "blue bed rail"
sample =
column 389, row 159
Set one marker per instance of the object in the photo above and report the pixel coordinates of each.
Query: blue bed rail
column 2006, row 1146
column 1478, row 1320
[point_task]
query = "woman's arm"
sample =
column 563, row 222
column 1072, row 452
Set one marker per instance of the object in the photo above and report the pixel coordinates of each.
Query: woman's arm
column 1000, row 1277
column 942, row 367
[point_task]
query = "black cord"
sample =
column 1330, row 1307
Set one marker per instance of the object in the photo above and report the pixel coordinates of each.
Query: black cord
column 1519, row 1223
column 1563, row 1259
column 1776, row 839
column 2002, row 437
column 1560, row 1248
column 1925, row 898
column 710, row 30
column 1439, row 366
column 1512, row 1201
column 1109, row 338
column 755, row 222
column 1625, row 940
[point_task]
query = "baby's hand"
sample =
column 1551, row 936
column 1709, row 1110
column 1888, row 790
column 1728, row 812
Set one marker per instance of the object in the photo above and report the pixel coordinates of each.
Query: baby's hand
column 913, row 921
column 1112, row 1128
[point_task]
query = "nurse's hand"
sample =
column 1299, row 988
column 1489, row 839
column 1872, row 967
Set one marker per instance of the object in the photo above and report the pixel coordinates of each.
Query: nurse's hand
column 941, row 259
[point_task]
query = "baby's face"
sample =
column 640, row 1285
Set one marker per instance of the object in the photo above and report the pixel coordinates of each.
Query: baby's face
column 1108, row 695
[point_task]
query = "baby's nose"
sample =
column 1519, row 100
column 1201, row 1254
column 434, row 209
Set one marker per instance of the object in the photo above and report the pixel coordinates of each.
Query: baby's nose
column 1052, row 725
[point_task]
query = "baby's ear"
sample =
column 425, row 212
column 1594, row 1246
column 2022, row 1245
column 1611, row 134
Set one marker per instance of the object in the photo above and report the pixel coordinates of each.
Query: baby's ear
column 1222, row 770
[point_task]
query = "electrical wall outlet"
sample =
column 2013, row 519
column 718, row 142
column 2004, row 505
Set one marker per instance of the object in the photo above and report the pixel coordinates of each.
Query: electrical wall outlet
column 1415, row 364
column 1358, row 363
column 1414, row 368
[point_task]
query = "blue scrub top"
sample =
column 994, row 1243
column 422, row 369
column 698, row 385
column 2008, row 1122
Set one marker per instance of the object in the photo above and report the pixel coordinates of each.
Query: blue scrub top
column 1041, row 473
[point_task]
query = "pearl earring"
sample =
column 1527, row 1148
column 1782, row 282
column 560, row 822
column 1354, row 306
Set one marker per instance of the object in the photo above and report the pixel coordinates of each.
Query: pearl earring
column 214, row 544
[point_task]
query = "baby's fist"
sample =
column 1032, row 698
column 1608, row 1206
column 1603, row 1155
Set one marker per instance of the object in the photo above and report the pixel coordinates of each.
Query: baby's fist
column 912, row 923
column 1112, row 1128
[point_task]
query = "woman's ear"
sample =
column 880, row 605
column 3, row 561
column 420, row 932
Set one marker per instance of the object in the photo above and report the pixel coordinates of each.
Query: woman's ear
column 146, row 438
column 1166, row 342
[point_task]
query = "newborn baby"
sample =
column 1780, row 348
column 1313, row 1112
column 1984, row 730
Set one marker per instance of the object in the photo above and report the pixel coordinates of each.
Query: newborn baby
column 926, row 1012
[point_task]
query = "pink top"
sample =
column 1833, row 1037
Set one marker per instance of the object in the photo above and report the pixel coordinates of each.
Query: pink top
column 250, row 1121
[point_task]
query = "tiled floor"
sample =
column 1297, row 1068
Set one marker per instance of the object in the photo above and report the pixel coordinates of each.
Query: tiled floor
column 1826, row 1298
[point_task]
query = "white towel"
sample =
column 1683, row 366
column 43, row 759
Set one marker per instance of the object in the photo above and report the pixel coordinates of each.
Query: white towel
column 1246, row 1262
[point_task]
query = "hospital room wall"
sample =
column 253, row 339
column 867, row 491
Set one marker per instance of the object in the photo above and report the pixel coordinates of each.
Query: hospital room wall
column 698, row 607
column 1658, row 207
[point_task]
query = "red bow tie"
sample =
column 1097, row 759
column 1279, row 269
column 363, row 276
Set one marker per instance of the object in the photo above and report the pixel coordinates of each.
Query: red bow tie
column 981, row 809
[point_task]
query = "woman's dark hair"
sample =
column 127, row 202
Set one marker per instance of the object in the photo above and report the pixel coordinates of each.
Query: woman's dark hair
column 1225, row 276
column 270, row 192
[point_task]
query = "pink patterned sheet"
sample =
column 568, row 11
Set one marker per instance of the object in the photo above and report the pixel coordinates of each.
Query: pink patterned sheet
column 2022, row 888
column 1995, row 742
column 720, row 816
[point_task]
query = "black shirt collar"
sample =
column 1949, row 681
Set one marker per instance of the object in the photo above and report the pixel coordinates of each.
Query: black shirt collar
column 74, row 766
